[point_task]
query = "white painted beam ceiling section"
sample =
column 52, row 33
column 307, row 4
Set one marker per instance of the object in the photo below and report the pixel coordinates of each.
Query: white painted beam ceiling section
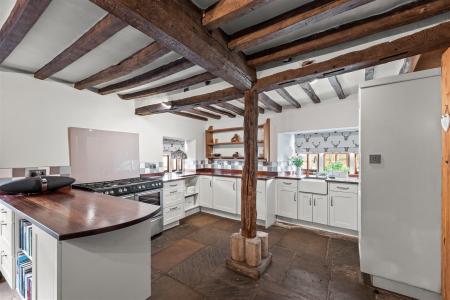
column 63, row 22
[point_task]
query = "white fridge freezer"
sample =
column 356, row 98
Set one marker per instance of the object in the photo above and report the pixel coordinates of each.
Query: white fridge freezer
column 400, row 237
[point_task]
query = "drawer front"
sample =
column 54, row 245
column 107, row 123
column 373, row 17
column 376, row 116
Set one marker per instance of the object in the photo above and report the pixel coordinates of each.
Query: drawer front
column 174, row 184
column 343, row 187
column 6, row 263
column 287, row 184
column 173, row 197
column 6, row 226
column 173, row 213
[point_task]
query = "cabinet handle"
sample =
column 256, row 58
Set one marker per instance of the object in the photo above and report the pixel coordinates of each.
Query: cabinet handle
column 287, row 183
column 331, row 198
column 173, row 185
column 309, row 201
column 295, row 197
column 210, row 183
column 342, row 188
column 3, row 211
column 234, row 186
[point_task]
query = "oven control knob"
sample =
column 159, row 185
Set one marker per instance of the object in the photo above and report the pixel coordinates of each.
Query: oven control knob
column 124, row 189
column 111, row 192
column 120, row 190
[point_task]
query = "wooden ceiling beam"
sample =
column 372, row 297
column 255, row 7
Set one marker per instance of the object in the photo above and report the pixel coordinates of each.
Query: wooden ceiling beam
column 430, row 60
column 95, row 36
column 177, row 25
column 306, row 15
column 433, row 38
column 369, row 73
column 337, row 87
column 189, row 115
column 203, row 113
column 409, row 64
column 269, row 103
column 308, row 89
column 147, row 77
column 137, row 60
column 216, row 97
column 180, row 84
column 286, row 96
column 231, row 107
column 403, row 15
column 226, row 11
column 218, row 110
column 260, row 109
column 23, row 16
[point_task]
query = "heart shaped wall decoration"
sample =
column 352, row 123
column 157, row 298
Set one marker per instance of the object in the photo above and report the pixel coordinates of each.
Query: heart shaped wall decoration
column 445, row 122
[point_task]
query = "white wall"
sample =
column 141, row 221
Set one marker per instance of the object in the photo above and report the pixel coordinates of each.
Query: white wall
column 35, row 115
column 326, row 115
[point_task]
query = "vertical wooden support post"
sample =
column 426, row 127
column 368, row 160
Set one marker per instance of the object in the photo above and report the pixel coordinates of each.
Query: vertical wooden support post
column 445, row 88
column 248, row 192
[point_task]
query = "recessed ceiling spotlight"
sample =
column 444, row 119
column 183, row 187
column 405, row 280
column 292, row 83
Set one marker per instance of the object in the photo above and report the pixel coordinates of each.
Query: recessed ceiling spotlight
column 313, row 81
column 166, row 105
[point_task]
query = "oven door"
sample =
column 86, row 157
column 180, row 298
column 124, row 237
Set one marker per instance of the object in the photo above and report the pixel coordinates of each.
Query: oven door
column 151, row 197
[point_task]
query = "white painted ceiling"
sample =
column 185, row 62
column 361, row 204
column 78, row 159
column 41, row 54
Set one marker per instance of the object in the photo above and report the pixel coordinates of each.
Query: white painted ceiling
column 64, row 21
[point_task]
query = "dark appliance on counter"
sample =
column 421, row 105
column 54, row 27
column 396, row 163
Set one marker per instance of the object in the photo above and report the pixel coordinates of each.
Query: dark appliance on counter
column 36, row 185
column 146, row 190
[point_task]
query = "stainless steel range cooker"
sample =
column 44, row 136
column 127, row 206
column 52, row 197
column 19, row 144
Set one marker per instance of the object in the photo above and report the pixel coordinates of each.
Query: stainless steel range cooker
column 146, row 190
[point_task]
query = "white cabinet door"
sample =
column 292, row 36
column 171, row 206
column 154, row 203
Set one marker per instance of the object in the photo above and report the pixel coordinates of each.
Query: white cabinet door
column 344, row 210
column 287, row 203
column 305, row 210
column 205, row 191
column 238, row 194
column 320, row 209
column 261, row 200
column 224, row 194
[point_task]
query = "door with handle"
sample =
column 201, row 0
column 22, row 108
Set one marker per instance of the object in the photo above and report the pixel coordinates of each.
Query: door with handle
column 320, row 209
column 305, row 207
column 205, row 191
column 287, row 203
column 225, row 194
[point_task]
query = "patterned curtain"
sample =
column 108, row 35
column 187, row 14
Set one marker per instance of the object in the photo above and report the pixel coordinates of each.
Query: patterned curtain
column 172, row 145
column 335, row 141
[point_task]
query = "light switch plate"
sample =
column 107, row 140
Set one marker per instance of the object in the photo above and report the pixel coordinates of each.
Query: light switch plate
column 375, row 159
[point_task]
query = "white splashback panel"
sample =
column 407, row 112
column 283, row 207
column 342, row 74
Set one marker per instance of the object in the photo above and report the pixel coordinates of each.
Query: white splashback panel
column 98, row 155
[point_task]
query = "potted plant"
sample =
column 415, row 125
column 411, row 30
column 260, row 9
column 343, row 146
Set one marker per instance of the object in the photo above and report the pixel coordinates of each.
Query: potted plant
column 297, row 161
column 337, row 169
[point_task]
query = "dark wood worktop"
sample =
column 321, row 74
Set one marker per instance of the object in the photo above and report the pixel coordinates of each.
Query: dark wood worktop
column 70, row 213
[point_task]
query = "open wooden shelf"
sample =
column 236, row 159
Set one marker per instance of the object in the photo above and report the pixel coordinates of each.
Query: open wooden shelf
column 210, row 144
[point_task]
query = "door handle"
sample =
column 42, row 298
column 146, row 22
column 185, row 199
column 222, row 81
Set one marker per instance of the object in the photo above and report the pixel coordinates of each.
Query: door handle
column 309, row 201
column 314, row 202
column 331, row 198
column 234, row 186
column 295, row 197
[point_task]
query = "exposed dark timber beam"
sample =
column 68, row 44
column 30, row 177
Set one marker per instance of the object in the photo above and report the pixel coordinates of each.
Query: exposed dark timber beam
column 308, row 89
column 137, row 60
column 429, row 39
column 286, row 96
column 403, row 15
column 22, row 17
column 369, row 73
column 147, row 77
column 306, row 15
column 180, row 84
column 218, row 110
column 100, row 32
column 260, row 109
column 226, row 11
column 191, row 102
column 177, row 25
column 269, row 103
column 203, row 113
column 334, row 81
column 231, row 107
column 249, row 182
column 188, row 115
column 409, row 64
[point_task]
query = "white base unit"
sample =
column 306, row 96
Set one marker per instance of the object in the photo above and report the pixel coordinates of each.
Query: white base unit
column 287, row 198
column 224, row 194
column 343, row 210
column 173, row 213
column 320, row 209
column 7, row 261
column 205, row 191
column 173, row 201
column 305, row 209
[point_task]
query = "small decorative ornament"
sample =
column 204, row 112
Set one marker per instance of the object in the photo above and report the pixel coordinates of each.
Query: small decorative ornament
column 236, row 155
column 235, row 139
column 445, row 119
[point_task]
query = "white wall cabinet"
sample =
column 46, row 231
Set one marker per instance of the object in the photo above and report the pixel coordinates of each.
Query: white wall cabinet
column 205, row 191
column 343, row 210
column 224, row 194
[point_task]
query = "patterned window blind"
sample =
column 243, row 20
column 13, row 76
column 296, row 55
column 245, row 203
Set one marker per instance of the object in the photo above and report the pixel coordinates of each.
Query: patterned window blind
column 335, row 141
column 172, row 145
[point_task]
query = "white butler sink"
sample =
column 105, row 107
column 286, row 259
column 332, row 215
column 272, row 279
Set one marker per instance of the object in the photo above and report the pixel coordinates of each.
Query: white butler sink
column 315, row 186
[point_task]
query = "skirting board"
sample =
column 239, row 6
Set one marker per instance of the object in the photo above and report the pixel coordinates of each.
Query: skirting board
column 331, row 229
column 404, row 289
column 228, row 215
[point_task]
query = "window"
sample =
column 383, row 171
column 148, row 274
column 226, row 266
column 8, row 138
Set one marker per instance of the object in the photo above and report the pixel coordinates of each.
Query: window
column 310, row 162
column 165, row 159
column 330, row 158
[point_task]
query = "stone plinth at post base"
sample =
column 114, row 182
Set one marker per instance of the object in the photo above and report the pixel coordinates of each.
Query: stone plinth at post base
column 254, row 259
